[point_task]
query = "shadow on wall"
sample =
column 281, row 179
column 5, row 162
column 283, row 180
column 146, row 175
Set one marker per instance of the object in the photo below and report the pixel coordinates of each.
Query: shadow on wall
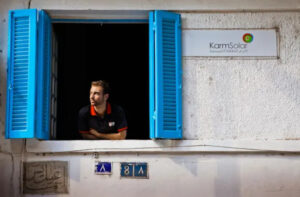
column 227, row 180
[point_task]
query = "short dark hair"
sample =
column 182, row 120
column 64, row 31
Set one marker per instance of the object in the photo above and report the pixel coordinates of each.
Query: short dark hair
column 103, row 84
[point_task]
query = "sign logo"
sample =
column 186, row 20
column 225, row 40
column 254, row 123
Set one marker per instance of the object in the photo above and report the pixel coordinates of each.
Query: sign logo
column 248, row 38
column 111, row 124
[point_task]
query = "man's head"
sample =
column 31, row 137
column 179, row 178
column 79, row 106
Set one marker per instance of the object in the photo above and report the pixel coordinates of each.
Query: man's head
column 99, row 93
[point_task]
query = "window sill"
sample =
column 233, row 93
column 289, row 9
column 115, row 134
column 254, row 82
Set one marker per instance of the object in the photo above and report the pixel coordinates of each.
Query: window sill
column 163, row 146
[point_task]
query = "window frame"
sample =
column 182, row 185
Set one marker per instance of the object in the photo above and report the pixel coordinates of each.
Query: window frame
column 94, row 21
column 107, row 17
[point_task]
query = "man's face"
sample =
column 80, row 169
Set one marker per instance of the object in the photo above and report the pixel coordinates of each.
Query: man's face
column 97, row 97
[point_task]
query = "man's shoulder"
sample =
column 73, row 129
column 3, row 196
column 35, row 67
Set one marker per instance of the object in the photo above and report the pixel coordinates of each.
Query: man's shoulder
column 84, row 110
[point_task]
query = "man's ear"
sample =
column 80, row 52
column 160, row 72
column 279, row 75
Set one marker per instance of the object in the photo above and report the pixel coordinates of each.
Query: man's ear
column 106, row 96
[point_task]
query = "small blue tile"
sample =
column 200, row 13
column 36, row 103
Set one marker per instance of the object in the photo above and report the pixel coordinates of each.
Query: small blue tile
column 127, row 169
column 141, row 170
column 103, row 168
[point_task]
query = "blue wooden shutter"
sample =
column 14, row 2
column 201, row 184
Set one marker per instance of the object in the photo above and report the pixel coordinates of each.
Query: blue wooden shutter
column 165, row 75
column 21, row 74
column 43, row 76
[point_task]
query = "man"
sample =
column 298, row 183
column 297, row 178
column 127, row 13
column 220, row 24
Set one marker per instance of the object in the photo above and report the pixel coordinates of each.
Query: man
column 101, row 120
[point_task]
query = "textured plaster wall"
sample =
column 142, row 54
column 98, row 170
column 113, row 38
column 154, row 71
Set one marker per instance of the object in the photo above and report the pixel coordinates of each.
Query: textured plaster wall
column 203, row 5
column 244, row 98
column 191, row 175
column 222, row 99
column 11, row 151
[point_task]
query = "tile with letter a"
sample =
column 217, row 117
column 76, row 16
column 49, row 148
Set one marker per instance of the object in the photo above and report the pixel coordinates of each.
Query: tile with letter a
column 103, row 168
column 141, row 170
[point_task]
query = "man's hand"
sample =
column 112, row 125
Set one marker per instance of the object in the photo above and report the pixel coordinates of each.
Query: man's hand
column 109, row 136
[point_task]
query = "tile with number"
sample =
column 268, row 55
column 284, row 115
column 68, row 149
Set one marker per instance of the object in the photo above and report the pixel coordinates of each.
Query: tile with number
column 134, row 170
column 127, row 169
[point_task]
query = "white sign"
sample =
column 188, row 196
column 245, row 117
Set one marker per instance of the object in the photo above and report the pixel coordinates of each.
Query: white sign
column 249, row 43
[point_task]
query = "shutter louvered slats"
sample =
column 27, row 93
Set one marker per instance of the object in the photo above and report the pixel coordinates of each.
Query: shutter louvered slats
column 169, row 75
column 20, row 108
column 20, row 73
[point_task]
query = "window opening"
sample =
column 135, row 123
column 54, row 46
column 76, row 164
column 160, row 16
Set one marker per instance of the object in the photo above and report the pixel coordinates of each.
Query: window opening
column 117, row 53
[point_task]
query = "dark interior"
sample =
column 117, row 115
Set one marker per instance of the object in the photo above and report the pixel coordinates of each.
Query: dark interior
column 117, row 53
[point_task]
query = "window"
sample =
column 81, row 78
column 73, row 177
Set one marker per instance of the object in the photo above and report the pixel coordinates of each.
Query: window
column 32, row 72
column 93, row 51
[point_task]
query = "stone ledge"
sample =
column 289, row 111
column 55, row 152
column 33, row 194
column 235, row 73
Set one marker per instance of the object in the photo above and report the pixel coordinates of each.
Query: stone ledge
column 164, row 146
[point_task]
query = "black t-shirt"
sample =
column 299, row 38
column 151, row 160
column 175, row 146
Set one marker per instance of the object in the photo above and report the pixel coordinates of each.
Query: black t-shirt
column 113, row 121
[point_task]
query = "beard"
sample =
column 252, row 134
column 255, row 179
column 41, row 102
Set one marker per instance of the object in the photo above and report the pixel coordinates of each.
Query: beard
column 97, row 103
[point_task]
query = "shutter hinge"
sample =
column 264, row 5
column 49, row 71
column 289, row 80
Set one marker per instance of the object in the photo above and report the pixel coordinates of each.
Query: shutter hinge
column 10, row 87
column 154, row 115
column 179, row 21
column 180, row 86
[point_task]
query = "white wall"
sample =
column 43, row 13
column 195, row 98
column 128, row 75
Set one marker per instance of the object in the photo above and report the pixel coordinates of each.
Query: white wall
column 223, row 99
column 203, row 5
column 10, row 150
column 244, row 99
column 192, row 175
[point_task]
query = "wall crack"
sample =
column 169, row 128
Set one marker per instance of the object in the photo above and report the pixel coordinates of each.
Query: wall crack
column 29, row 4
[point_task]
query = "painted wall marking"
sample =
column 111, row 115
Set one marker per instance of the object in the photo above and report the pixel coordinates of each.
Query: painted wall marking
column 45, row 177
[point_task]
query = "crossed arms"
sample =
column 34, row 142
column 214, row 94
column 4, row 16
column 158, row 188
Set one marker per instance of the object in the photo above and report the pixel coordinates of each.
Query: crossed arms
column 94, row 135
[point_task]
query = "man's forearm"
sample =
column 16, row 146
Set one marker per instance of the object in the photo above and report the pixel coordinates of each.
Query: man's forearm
column 109, row 136
column 88, row 136
column 113, row 136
